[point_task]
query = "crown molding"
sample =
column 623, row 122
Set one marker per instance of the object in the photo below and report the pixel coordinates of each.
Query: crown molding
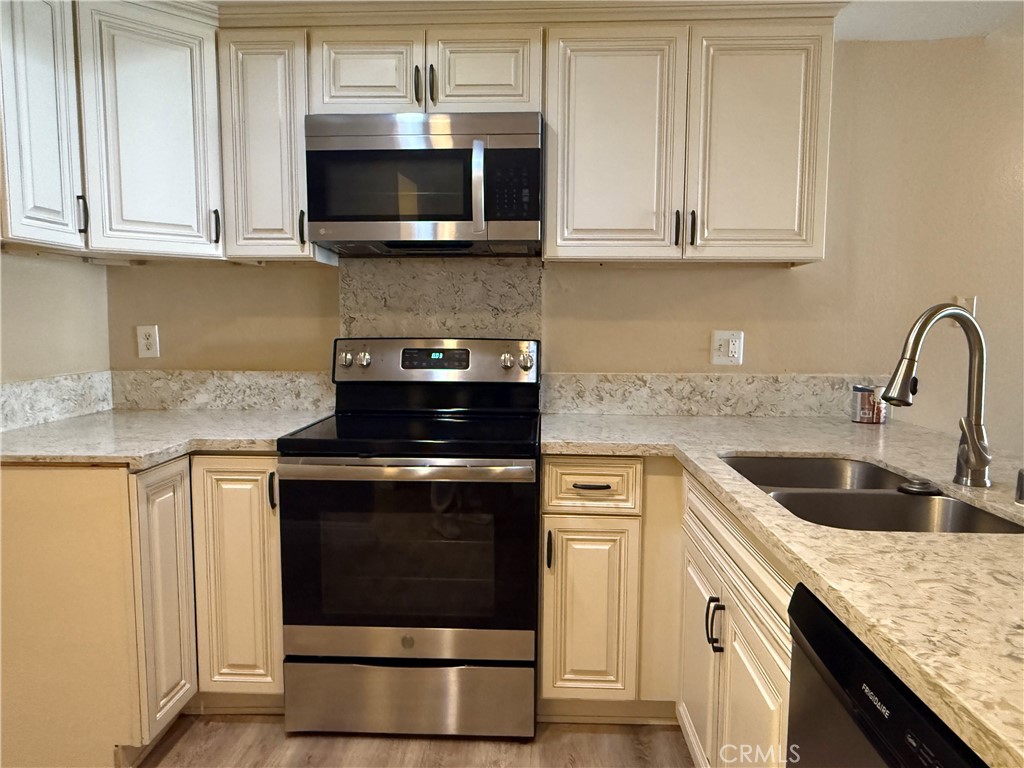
column 280, row 13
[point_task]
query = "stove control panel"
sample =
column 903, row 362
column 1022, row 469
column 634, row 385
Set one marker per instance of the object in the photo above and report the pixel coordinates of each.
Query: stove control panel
column 471, row 360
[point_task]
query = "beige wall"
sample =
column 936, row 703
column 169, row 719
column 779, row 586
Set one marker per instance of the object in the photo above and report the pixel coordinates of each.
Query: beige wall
column 225, row 316
column 925, row 202
column 53, row 317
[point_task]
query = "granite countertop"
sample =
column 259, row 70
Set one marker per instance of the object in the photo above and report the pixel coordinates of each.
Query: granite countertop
column 943, row 610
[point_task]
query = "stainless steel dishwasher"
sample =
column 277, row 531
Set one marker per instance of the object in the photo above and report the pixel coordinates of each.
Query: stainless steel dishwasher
column 848, row 710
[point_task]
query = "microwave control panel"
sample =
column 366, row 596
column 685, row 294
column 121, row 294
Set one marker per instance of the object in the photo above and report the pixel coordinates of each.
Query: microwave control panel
column 512, row 184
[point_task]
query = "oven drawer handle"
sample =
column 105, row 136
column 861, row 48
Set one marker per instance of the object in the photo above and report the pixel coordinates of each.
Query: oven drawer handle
column 512, row 473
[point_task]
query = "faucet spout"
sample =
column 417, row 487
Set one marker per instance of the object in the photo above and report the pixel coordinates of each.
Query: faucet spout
column 973, row 456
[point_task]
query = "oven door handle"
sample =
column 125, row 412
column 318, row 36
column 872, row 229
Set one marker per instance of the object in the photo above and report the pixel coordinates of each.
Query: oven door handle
column 524, row 472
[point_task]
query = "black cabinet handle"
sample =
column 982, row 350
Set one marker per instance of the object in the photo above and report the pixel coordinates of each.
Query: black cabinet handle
column 693, row 227
column 416, row 84
column 716, row 643
column 85, row 214
column 216, row 226
column 548, row 550
column 707, row 616
column 679, row 226
column 592, row 486
column 271, row 489
column 302, row 227
column 432, row 84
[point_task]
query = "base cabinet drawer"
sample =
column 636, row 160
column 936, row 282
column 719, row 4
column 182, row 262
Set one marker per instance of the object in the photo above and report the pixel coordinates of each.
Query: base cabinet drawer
column 593, row 486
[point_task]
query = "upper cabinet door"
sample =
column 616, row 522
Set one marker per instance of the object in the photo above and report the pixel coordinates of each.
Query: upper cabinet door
column 758, row 142
column 40, row 124
column 263, row 101
column 616, row 111
column 368, row 70
column 484, row 69
column 149, row 120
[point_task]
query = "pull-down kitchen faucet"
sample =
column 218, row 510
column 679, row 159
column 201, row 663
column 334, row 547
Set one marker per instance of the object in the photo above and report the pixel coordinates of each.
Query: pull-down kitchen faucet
column 972, row 456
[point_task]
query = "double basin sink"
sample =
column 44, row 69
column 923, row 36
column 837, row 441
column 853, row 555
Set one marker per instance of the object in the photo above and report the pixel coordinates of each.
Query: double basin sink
column 844, row 493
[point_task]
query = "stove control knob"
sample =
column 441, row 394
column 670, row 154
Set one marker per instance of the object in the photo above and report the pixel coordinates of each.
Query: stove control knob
column 507, row 360
column 363, row 359
column 345, row 359
column 526, row 361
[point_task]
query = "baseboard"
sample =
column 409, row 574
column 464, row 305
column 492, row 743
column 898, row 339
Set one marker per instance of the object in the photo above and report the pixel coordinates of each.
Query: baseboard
column 606, row 712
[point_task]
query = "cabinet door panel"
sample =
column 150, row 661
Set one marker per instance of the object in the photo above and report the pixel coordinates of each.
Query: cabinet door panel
column 616, row 117
column 40, row 126
column 754, row 693
column 591, row 594
column 149, row 106
column 263, row 76
column 168, row 636
column 238, row 576
column 366, row 70
column 697, row 702
column 485, row 70
column 758, row 141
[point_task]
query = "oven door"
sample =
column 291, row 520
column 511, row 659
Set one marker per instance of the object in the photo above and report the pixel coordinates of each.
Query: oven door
column 449, row 544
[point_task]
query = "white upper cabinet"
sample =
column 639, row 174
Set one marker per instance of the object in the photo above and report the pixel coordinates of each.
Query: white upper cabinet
column 758, row 141
column 263, row 103
column 615, row 141
column 150, row 130
column 43, row 175
column 365, row 70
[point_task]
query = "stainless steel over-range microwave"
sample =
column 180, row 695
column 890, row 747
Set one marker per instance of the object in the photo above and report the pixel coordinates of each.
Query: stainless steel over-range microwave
column 425, row 184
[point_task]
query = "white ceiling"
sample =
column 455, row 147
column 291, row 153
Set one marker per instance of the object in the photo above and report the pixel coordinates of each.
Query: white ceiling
column 927, row 19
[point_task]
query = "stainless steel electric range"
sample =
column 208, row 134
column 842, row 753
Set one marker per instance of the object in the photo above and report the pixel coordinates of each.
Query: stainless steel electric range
column 409, row 540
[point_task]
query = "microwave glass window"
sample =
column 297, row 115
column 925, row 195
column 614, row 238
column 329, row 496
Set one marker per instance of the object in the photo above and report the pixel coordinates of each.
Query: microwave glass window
column 390, row 185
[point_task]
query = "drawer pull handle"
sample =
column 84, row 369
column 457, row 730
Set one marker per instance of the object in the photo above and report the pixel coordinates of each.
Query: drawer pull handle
column 716, row 642
column 592, row 486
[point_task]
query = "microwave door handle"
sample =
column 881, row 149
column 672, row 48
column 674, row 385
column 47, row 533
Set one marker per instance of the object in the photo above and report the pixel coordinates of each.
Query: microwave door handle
column 477, row 170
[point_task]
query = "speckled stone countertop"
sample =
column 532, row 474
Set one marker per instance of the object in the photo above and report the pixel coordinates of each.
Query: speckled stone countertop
column 143, row 439
column 943, row 610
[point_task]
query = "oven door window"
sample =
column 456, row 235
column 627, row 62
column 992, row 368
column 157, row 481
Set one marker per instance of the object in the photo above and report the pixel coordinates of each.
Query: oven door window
column 416, row 554
column 390, row 185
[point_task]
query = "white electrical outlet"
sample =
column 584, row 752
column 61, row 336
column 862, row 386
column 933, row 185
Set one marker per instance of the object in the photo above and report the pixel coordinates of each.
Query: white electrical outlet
column 727, row 347
column 148, row 339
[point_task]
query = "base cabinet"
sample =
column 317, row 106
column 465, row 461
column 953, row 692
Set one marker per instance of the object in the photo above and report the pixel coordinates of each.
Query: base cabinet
column 98, row 651
column 237, row 534
column 734, row 645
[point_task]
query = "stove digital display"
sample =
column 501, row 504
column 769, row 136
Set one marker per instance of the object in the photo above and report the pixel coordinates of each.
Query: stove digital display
column 435, row 359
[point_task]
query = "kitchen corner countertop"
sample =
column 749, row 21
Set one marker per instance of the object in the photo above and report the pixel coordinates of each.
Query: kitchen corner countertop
column 943, row 610
column 143, row 439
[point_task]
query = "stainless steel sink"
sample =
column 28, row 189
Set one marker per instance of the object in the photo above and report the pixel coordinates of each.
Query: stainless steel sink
column 891, row 511
column 812, row 472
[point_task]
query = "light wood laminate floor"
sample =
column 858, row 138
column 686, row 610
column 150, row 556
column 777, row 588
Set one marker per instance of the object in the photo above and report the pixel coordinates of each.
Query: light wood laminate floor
column 246, row 741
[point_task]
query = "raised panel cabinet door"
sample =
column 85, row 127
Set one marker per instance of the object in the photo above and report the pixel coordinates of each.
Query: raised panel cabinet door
column 150, row 129
column 616, row 131
column 754, row 693
column 697, row 701
column 263, row 101
column 366, row 70
column 238, row 575
column 484, row 69
column 162, row 515
column 591, row 593
column 43, row 174
column 758, row 142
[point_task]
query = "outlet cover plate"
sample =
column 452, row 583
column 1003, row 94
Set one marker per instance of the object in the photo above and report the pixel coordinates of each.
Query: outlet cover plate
column 727, row 347
column 148, row 339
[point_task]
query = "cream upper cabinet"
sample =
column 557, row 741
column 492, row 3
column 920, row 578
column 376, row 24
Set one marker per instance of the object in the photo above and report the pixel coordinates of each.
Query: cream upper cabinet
column 43, row 175
column 364, row 70
column 263, row 105
column 238, row 575
column 150, row 130
column 591, row 592
column 757, row 152
column 161, row 509
column 615, row 141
